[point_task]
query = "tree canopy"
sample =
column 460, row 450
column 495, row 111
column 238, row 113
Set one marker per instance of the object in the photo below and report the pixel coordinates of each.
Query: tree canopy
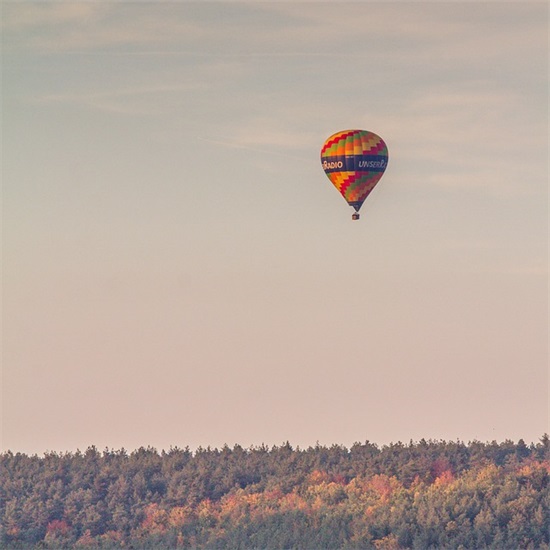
column 426, row 494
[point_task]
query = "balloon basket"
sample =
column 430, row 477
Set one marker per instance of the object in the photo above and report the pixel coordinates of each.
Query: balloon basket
column 355, row 216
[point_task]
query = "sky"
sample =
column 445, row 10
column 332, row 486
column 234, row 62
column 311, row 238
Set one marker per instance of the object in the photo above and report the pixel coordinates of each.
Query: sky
column 177, row 270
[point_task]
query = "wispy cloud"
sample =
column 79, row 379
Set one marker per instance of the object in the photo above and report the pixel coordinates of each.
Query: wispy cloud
column 278, row 29
column 133, row 101
column 29, row 15
column 65, row 27
column 236, row 144
column 459, row 112
column 475, row 135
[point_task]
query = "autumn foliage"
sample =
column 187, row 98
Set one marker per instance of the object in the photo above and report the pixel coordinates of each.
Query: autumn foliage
column 429, row 494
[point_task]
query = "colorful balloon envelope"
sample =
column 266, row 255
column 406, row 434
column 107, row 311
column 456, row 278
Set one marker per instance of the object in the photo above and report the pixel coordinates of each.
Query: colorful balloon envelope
column 354, row 161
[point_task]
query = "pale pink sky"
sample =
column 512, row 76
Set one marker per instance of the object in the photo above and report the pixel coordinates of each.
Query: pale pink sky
column 177, row 269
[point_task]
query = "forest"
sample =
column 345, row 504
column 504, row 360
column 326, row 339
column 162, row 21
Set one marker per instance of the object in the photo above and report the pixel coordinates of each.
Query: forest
column 420, row 495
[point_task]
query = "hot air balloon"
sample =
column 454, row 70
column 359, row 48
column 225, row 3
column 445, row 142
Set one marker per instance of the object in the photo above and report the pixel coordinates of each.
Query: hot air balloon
column 354, row 161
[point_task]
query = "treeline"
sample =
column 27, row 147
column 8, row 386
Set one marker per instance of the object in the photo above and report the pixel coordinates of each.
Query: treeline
column 426, row 494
